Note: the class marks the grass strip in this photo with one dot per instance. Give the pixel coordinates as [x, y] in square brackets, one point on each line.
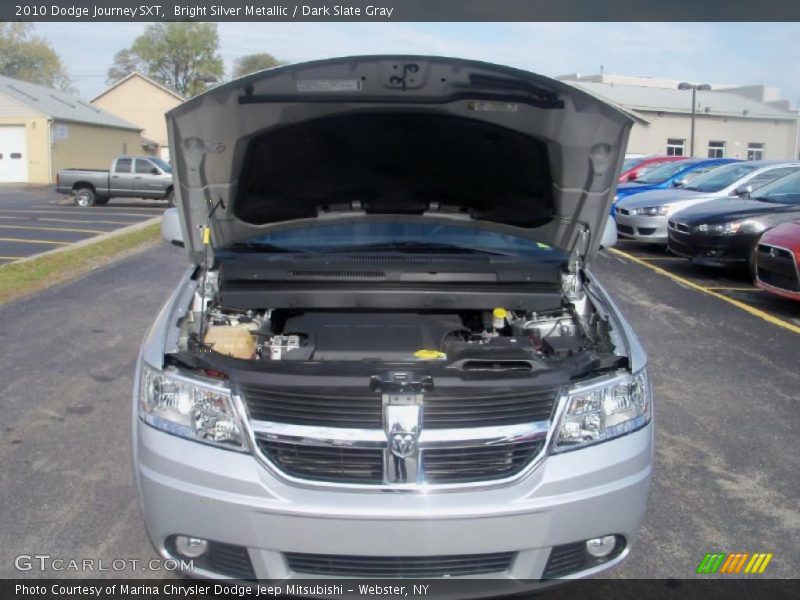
[22, 278]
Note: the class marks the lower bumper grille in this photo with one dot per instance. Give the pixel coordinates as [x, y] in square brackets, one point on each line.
[566, 559]
[227, 560]
[400, 566]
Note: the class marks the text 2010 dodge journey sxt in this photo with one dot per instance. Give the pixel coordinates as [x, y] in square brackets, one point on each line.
[389, 357]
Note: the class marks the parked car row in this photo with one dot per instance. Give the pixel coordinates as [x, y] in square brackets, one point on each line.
[742, 214]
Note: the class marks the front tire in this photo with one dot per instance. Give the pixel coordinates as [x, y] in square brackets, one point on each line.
[171, 199]
[85, 197]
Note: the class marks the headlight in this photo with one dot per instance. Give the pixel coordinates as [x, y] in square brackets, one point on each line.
[604, 409]
[193, 409]
[732, 227]
[652, 211]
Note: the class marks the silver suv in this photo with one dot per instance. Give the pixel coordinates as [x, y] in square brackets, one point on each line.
[389, 357]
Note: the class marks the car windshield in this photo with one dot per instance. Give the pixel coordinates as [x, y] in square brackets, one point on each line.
[162, 164]
[630, 163]
[721, 177]
[785, 190]
[663, 172]
[397, 236]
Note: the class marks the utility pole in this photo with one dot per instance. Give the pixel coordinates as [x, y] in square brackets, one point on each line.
[688, 86]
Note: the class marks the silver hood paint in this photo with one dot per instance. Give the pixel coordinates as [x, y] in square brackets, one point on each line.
[585, 137]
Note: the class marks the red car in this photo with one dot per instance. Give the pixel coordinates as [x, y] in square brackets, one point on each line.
[633, 168]
[777, 260]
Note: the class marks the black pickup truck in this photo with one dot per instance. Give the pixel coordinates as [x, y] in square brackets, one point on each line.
[129, 177]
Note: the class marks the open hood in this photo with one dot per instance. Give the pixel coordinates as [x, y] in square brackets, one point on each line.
[423, 137]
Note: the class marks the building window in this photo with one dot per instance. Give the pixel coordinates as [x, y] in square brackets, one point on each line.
[755, 151]
[716, 149]
[675, 147]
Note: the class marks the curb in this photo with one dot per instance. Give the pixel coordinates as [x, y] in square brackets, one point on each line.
[93, 240]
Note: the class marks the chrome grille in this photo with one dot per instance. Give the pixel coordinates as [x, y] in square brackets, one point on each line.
[430, 437]
[399, 566]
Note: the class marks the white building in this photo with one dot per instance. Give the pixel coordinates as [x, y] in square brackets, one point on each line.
[747, 122]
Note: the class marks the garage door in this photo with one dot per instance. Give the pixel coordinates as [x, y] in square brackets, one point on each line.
[13, 154]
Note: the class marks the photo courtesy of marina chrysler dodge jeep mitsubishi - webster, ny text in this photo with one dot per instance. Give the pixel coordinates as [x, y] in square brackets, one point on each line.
[390, 357]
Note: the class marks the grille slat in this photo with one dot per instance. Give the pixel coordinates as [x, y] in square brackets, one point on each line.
[460, 465]
[399, 566]
[355, 465]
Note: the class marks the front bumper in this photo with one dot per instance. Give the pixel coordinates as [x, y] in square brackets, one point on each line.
[647, 229]
[712, 250]
[197, 490]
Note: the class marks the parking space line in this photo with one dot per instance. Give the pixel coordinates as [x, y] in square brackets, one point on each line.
[21, 241]
[661, 257]
[69, 229]
[72, 212]
[735, 289]
[690, 284]
[11, 257]
[75, 221]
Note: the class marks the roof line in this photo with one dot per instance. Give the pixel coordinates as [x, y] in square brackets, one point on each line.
[146, 78]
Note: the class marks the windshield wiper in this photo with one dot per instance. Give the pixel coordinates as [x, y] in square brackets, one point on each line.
[417, 247]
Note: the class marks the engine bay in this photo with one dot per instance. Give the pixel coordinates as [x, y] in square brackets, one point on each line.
[488, 339]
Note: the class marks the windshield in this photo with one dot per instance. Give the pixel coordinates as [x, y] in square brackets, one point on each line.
[630, 163]
[784, 191]
[663, 172]
[397, 236]
[720, 178]
[161, 164]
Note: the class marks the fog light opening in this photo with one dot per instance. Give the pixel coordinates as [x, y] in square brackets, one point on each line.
[601, 547]
[190, 547]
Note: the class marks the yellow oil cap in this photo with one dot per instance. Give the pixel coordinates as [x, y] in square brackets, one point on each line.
[429, 355]
[499, 313]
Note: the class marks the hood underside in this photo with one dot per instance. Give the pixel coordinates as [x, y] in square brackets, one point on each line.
[366, 137]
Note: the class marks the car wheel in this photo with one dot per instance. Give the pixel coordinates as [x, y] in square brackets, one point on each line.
[171, 198]
[85, 197]
[101, 201]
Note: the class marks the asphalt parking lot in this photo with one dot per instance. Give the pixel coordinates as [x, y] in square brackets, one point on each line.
[36, 219]
[726, 414]
[733, 285]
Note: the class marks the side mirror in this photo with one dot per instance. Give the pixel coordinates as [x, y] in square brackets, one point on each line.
[680, 182]
[171, 227]
[633, 176]
[155, 171]
[744, 190]
[609, 239]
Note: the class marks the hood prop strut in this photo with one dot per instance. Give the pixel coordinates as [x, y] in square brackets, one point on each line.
[206, 246]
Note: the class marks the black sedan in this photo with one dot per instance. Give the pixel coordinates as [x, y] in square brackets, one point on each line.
[724, 232]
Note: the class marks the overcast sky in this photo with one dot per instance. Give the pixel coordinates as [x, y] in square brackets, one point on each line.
[735, 53]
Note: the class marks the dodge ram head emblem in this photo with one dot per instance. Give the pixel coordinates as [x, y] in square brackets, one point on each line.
[403, 444]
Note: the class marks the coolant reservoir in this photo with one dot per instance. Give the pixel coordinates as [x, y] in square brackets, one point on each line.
[232, 340]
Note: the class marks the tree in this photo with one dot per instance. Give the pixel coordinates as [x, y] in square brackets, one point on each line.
[125, 63]
[30, 58]
[179, 55]
[251, 63]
